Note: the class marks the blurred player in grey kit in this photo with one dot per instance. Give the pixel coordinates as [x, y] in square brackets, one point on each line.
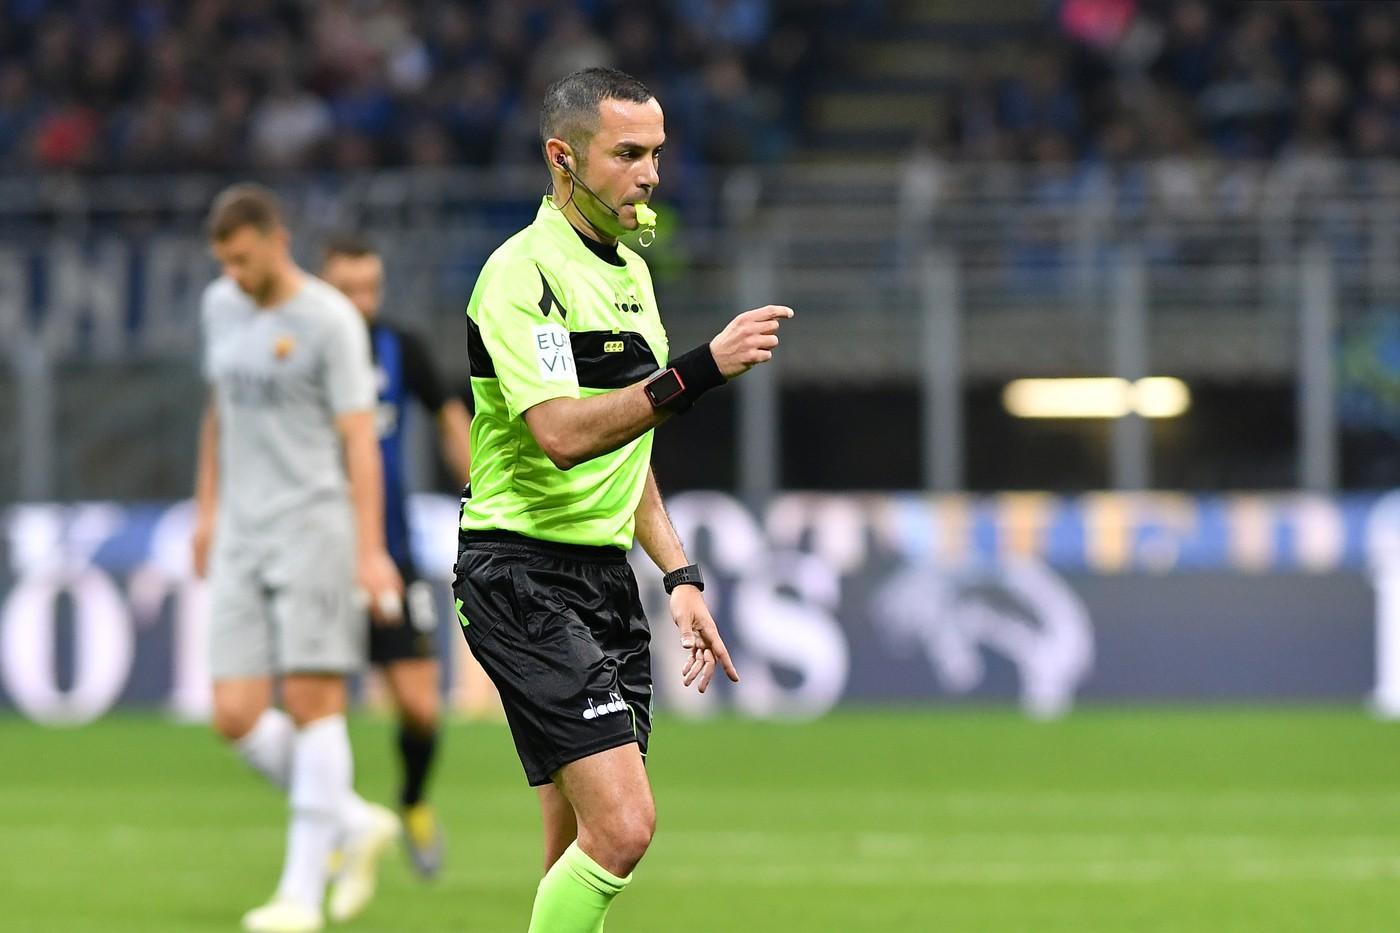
[290, 529]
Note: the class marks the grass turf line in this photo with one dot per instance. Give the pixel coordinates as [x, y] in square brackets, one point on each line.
[1141, 820]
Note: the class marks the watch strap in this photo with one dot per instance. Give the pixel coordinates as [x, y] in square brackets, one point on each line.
[689, 574]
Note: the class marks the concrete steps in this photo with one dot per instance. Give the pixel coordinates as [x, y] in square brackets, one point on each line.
[896, 84]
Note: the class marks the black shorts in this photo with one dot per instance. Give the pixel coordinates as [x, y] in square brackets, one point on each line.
[559, 629]
[415, 639]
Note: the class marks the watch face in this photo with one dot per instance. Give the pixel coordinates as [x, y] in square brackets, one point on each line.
[664, 387]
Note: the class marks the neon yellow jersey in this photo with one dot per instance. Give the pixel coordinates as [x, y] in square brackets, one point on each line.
[550, 319]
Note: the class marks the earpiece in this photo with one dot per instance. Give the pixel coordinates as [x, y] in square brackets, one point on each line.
[646, 217]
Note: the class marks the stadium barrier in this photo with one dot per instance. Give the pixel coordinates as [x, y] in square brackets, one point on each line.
[824, 599]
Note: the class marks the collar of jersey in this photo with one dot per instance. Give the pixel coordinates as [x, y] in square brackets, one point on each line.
[552, 220]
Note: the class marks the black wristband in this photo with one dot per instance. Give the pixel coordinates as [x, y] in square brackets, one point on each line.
[697, 373]
[689, 574]
[698, 370]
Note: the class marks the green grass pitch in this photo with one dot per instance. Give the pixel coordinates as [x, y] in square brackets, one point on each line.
[1142, 820]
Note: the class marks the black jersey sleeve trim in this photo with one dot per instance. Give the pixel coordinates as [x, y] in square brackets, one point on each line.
[547, 299]
[604, 359]
[478, 358]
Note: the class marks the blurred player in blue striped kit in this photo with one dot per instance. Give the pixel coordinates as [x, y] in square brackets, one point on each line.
[406, 653]
[289, 527]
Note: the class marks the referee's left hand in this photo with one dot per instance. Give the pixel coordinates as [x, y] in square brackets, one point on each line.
[700, 638]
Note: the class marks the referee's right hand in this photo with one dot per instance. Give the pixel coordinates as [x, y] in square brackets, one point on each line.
[749, 339]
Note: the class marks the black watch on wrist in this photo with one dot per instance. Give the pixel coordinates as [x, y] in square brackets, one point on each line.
[689, 574]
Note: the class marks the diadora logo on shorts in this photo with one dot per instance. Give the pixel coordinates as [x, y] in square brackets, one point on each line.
[615, 704]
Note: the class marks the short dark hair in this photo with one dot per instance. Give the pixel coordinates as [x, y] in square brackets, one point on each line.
[570, 107]
[243, 205]
[349, 245]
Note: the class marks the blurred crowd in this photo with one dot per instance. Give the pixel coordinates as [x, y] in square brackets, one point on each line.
[158, 85]
[1150, 112]
[1082, 90]
[1127, 79]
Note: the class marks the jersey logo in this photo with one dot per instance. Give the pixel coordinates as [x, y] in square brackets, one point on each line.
[283, 346]
[631, 306]
[548, 301]
[555, 354]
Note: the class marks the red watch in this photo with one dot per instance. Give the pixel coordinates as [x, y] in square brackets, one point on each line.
[665, 388]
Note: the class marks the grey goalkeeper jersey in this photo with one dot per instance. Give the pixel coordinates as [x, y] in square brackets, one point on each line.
[281, 375]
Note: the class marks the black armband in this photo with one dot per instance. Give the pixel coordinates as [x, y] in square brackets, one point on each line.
[689, 376]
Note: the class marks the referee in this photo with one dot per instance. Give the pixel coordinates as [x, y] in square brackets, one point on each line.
[571, 371]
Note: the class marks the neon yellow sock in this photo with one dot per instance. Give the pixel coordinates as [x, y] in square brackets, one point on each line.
[574, 895]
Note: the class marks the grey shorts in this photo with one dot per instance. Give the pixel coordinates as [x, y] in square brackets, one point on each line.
[283, 602]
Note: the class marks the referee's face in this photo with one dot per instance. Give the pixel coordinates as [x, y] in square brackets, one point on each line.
[623, 164]
[359, 278]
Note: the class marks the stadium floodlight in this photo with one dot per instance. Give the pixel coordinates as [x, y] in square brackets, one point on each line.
[1096, 397]
[1160, 397]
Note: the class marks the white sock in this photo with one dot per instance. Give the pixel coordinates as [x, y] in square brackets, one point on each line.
[355, 815]
[267, 747]
[320, 785]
